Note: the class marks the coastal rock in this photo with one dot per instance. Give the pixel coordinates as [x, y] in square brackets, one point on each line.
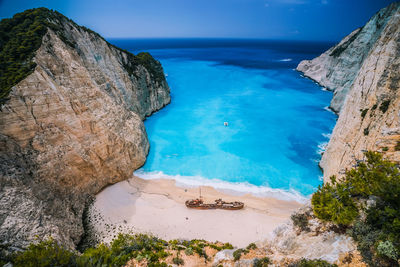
[223, 255]
[69, 129]
[244, 263]
[363, 72]
[288, 244]
[338, 67]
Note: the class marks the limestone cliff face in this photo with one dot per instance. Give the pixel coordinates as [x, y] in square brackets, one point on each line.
[337, 68]
[363, 71]
[69, 129]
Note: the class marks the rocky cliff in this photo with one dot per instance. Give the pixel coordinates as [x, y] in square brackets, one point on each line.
[71, 126]
[363, 73]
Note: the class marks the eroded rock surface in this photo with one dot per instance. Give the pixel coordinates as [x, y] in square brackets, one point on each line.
[69, 129]
[320, 240]
[363, 72]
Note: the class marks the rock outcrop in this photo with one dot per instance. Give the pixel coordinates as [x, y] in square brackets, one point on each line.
[70, 128]
[363, 72]
[318, 241]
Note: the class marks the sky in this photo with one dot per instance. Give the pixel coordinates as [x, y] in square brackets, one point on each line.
[324, 20]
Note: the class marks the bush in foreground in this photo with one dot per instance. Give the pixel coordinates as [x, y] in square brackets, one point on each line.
[177, 260]
[333, 203]
[367, 201]
[300, 220]
[143, 248]
[263, 262]
[251, 246]
[237, 254]
[45, 253]
[312, 263]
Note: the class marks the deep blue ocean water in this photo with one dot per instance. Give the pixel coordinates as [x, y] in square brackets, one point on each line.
[277, 120]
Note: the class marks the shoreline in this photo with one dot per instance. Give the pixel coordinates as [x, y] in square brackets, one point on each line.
[226, 187]
[158, 207]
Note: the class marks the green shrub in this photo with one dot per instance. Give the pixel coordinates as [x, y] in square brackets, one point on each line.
[219, 248]
[122, 249]
[197, 246]
[397, 147]
[385, 148]
[227, 246]
[387, 249]
[177, 260]
[251, 246]
[366, 131]
[153, 66]
[333, 202]
[384, 106]
[201, 252]
[366, 237]
[300, 220]
[158, 264]
[45, 253]
[376, 176]
[312, 263]
[189, 251]
[238, 253]
[5, 255]
[263, 262]
[21, 36]
[364, 112]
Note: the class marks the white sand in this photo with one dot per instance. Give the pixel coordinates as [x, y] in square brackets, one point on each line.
[157, 207]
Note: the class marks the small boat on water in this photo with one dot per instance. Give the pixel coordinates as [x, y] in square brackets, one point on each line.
[219, 204]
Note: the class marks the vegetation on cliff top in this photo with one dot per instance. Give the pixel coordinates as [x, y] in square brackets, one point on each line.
[367, 202]
[21, 36]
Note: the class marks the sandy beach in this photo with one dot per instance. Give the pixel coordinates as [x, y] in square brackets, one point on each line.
[157, 207]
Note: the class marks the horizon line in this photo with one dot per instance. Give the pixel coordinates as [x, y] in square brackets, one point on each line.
[226, 38]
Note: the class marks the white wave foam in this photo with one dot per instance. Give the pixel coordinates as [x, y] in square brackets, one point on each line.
[330, 110]
[327, 135]
[228, 187]
[285, 60]
[322, 147]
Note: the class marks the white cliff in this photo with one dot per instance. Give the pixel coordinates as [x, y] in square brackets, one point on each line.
[70, 128]
[363, 72]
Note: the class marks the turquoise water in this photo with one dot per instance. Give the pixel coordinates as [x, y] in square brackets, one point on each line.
[277, 121]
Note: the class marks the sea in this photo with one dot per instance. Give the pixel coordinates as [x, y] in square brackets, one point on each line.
[241, 118]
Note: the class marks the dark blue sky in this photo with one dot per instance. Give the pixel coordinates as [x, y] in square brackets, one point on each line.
[270, 19]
